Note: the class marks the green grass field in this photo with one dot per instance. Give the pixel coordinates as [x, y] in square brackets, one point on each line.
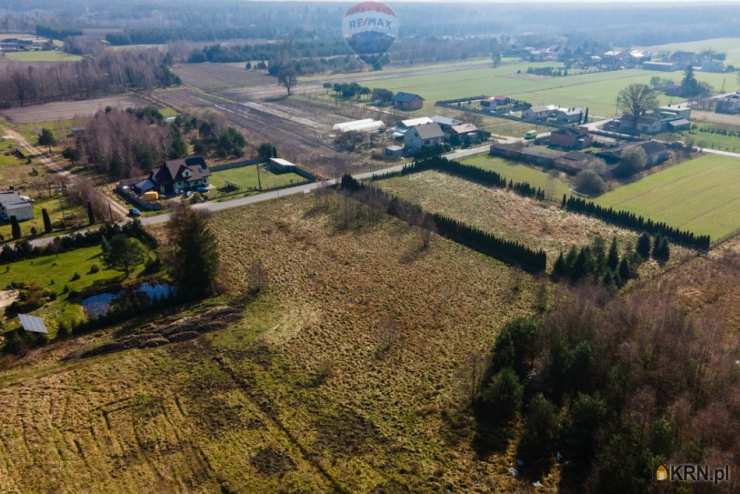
[553, 186]
[60, 128]
[701, 195]
[705, 139]
[42, 56]
[55, 272]
[730, 46]
[596, 91]
[245, 178]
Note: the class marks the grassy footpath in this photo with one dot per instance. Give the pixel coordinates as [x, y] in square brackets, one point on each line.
[553, 185]
[702, 195]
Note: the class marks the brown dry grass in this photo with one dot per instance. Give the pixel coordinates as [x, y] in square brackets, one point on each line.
[308, 393]
[537, 224]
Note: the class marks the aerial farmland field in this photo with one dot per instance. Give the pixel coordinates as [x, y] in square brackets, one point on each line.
[701, 195]
[597, 91]
[42, 56]
[730, 46]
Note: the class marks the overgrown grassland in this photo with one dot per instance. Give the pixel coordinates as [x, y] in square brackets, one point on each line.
[503, 213]
[701, 195]
[348, 372]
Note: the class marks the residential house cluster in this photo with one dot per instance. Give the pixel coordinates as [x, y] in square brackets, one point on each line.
[425, 132]
[24, 44]
[707, 61]
[553, 114]
[669, 118]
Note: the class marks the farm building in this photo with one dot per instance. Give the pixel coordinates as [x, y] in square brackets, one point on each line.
[666, 118]
[177, 176]
[495, 101]
[574, 162]
[414, 122]
[364, 125]
[407, 101]
[423, 136]
[14, 205]
[571, 138]
[661, 66]
[280, 165]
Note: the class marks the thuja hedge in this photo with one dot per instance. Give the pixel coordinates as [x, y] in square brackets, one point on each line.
[632, 221]
[487, 178]
[504, 250]
[24, 250]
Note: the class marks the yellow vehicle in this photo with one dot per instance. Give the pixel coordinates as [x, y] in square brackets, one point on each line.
[151, 196]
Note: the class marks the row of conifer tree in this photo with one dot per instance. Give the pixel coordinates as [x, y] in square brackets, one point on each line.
[632, 221]
[504, 250]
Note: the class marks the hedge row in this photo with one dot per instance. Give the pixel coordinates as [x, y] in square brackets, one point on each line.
[504, 250]
[633, 221]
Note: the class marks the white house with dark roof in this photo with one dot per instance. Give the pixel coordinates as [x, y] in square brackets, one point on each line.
[177, 176]
[423, 136]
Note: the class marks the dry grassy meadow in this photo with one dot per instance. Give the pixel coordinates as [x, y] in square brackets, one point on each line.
[343, 375]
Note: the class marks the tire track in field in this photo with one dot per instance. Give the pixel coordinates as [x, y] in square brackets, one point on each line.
[246, 388]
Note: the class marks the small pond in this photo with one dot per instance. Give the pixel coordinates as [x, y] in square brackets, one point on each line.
[99, 304]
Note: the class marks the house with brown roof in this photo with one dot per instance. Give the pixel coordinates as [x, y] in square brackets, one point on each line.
[571, 138]
[177, 176]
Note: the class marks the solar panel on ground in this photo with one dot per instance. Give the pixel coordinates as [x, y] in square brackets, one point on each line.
[32, 323]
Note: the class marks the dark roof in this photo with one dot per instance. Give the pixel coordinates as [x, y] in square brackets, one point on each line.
[576, 131]
[403, 97]
[174, 170]
[429, 131]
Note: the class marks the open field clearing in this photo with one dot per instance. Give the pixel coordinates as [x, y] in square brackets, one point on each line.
[41, 56]
[60, 128]
[730, 46]
[16, 172]
[220, 76]
[716, 118]
[535, 223]
[596, 91]
[343, 375]
[299, 129]
[703, 138]
[65, 110]
[245, 179]
[701, 195]
[552, 183]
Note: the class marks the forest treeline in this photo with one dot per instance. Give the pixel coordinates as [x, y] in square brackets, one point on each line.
[610, 388]
[113, 72]
[510, 252]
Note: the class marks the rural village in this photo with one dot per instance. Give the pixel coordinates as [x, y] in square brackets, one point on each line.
[487, 262]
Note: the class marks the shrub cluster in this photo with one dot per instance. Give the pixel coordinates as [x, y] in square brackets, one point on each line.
[632, 221]
[24, 250]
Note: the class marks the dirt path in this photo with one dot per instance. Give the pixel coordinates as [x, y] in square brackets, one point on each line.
[54, 167]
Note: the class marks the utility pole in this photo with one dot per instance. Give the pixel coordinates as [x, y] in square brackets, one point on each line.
[259, 178]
